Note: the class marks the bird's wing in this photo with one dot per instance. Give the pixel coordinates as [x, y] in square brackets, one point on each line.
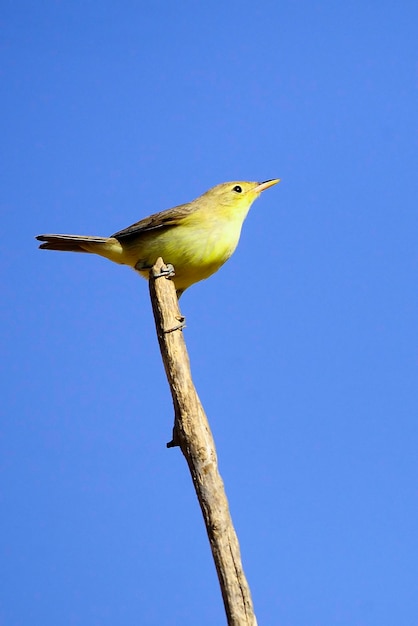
[165, 219]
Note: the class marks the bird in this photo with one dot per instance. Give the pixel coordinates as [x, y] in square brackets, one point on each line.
[196, 238]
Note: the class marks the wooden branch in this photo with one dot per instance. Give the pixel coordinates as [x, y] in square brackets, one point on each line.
[192, 433]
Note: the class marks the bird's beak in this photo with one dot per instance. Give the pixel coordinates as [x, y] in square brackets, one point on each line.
[267, 183]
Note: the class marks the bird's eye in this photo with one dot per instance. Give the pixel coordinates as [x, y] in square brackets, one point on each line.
[237, 188]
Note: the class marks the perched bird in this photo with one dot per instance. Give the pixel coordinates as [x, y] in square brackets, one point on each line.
[196, 238]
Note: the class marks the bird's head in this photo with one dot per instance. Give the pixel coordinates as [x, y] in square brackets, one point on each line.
[235, 196]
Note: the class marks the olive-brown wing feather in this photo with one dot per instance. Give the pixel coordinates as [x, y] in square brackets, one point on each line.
[165, 219]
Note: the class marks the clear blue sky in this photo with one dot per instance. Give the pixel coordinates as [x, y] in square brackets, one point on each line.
[304, 347]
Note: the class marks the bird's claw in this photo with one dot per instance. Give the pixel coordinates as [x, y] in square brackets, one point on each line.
[167, 271]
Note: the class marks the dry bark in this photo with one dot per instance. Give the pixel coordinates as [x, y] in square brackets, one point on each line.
[192, 434]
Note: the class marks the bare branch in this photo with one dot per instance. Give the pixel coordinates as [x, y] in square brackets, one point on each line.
[192, 433]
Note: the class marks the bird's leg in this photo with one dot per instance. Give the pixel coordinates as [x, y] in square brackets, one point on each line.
[167, 271]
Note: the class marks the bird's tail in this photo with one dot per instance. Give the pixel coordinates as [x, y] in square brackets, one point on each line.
[72, 243]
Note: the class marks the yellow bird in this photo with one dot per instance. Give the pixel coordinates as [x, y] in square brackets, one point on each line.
[196, 238]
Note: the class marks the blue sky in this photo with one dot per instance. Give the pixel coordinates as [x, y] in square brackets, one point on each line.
[304, 347]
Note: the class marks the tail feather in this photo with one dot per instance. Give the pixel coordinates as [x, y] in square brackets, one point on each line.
[69, 243]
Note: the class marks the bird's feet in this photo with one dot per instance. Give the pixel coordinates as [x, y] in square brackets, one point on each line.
[167, 271]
